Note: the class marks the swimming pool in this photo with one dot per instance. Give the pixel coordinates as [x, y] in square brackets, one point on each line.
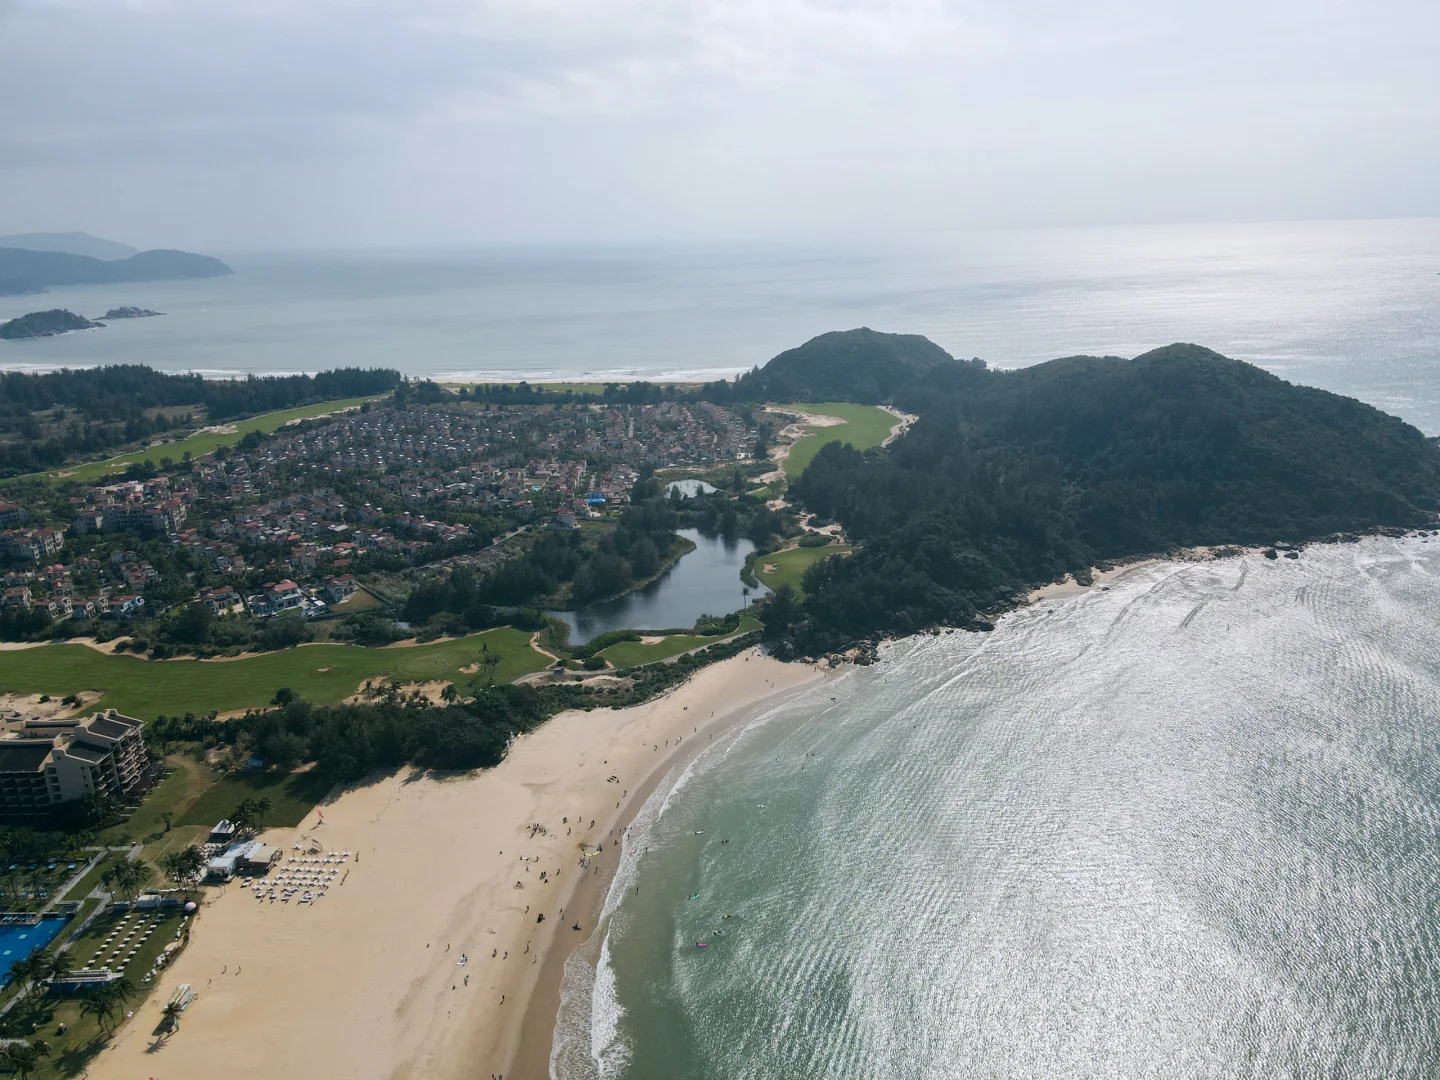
[18, 941]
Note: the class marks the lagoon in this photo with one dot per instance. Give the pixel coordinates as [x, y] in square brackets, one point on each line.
[704, 582]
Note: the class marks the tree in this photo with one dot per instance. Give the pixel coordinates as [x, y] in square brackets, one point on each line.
[171, 1014]
[95, 1006]
[449, 694]
[490, 660]
[23, 1058]
[183, 867]
[124, 877]
[60, 964]
[243, 816]
[21, 972]
[260, 808]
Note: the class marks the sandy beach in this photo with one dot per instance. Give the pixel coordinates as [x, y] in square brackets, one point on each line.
[368, 982]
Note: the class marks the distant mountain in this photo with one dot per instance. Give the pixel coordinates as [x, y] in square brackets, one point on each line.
[31, 271]
[45, 324]
[70, 243]
[861, 365]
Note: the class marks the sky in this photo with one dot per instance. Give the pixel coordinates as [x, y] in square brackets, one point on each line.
[277, 124]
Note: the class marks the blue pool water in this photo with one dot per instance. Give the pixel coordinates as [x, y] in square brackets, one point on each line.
[18, 942]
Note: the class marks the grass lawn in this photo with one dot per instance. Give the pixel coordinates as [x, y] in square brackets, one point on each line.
[359, 600]
[198, 445]
[790, 565]
[319, 673]
[626, 654]
[87, 884]
[294, 795]
[865, 426]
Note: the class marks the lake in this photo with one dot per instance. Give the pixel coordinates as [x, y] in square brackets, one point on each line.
[704, 582]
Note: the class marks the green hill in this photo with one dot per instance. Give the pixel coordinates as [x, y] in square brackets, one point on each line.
[45, 324]
[861, 365]
[1012, 479]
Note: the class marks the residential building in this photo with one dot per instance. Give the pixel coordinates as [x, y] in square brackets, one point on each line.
[46, 762]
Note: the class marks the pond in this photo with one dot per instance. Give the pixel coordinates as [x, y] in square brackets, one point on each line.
[690, 488]
[704, 582]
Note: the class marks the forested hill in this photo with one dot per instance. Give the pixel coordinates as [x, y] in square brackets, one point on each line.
[1011, 479]
[861, 365]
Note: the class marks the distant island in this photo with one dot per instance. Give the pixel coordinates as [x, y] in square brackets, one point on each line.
[24, 271]
[130, 313]
[45, 324]
[70, 243]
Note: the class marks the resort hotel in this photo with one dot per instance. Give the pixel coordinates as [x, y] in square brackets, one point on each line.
[46, 762]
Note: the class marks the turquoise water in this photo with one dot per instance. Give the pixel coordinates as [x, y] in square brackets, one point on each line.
[1348, 306]
[1188, 827]
[18, 942]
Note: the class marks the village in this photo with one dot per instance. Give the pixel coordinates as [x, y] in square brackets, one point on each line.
[285, 524]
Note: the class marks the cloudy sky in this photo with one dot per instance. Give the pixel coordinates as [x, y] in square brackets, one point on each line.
[339, 123]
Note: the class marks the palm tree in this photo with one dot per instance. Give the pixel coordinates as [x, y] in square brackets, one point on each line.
[172, 1013]
[262, 806]
[111, 1000]
[491, 661]
[21, 972]
[96, 1005]
[243, 816]
[449, 695]
[60, 965]
[23, 1058]
[124, 877]
[183, 867]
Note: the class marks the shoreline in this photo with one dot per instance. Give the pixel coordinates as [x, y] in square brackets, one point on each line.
[365, 984]
[537, 1027]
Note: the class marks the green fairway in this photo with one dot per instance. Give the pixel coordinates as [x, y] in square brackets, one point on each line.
[626, 654]
[790, 565]
[318, 673]
[865, 426]
[197, 445]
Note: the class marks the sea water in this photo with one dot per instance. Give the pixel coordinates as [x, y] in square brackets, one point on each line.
[1186, 827]
[1352, 307]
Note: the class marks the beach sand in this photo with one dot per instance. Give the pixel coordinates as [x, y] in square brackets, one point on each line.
[365, 983]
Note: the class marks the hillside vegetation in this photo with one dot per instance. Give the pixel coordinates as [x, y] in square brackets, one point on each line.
[1012, 479]
[45, 324]
[862, 365]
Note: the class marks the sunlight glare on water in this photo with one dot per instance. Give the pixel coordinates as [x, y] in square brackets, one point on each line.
[1183, 828]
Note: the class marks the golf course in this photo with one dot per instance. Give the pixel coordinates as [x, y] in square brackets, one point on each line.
[322, 674]
[197, 445]
[865, 426]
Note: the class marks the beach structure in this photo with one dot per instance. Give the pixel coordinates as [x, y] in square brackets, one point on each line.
[223, 832]
[45, 762]
[245, 857]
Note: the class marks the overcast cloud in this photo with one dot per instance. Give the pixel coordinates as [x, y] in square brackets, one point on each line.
[338, 123]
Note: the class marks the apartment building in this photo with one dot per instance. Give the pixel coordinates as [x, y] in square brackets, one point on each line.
[46, 762]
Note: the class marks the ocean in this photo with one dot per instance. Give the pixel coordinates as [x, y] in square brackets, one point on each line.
[1351, 306]
[1188, 827]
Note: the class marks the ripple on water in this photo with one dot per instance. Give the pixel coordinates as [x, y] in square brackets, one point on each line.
[1189, 827]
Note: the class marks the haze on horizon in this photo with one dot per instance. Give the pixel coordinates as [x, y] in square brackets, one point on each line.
[352, 123]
